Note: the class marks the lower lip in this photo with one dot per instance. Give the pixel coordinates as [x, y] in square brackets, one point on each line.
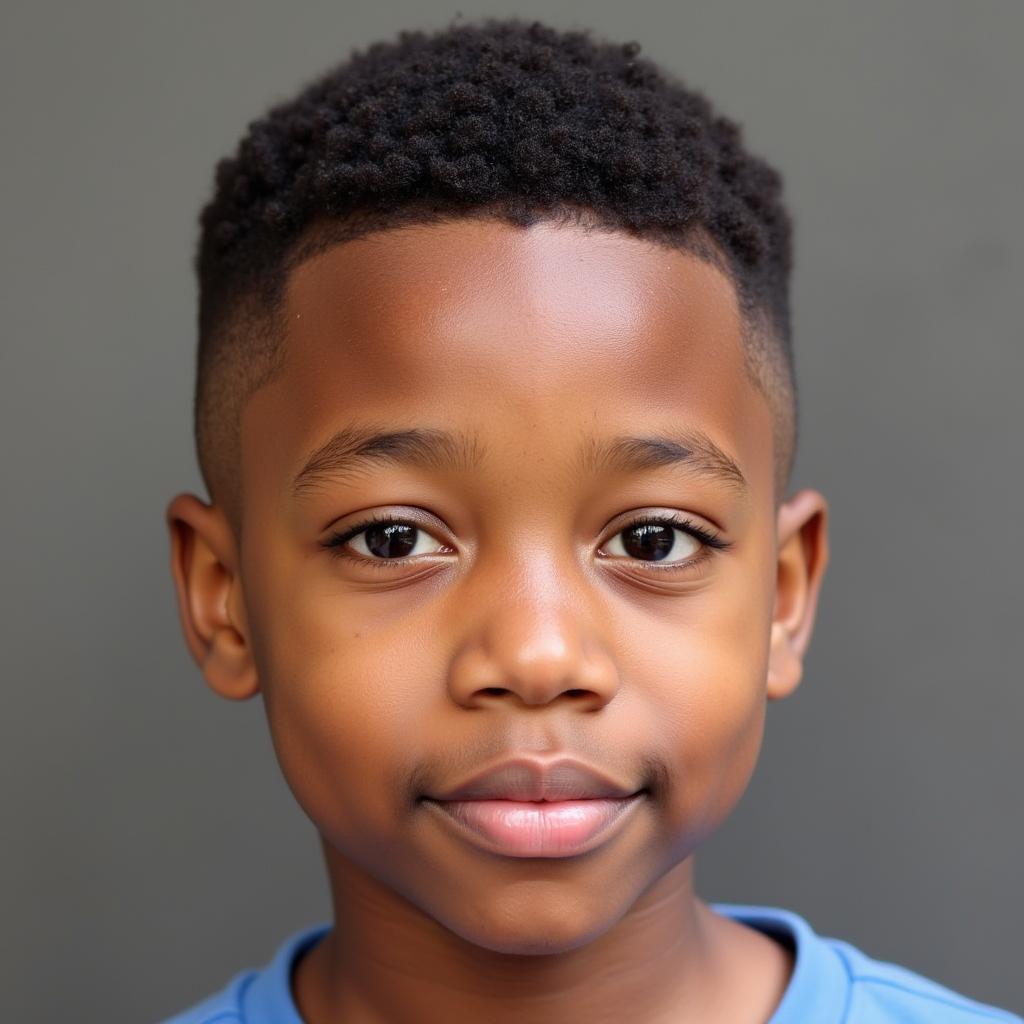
[563, 828]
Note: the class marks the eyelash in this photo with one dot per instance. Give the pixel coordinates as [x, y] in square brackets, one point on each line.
[710, 541]
[336, 542]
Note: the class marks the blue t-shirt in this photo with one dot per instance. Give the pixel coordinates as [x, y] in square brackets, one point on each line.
[832, 983]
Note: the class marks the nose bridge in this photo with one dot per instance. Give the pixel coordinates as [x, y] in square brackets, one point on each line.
[536, 632]
[532, 633]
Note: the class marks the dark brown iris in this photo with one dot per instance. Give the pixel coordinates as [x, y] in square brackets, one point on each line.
[390, 540]
[648, 541]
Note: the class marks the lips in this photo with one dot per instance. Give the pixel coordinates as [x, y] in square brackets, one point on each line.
[524, 807]
[530, 779]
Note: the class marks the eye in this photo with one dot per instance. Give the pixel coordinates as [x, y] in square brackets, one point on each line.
[383, 540]
[659, 539]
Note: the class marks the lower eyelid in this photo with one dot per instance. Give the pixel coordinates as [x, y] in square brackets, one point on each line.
[701, 556]
[661, 566]
[654, 574]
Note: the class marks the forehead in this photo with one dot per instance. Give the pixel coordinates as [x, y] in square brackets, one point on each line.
[529, 336]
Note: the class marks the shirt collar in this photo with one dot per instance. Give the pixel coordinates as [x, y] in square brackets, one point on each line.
[818, 989]
[820, 985]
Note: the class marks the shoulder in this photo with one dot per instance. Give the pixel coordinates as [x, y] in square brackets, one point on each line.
[223, 1007]
[833, 982]
[256, 996]
[882, 991]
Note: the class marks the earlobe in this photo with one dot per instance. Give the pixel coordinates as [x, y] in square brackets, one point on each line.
[204, 567]
[802, 547]
[785, 665]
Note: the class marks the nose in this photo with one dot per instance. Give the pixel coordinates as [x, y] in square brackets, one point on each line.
[533, 643]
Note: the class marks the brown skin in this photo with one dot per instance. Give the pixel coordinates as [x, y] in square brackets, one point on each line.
[522, 628]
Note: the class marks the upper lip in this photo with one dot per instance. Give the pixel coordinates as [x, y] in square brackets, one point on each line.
[530, 779]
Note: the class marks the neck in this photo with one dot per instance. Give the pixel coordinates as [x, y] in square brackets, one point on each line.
[668, 958]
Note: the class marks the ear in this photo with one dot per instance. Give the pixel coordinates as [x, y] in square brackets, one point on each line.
[204, 564]
[802, 545]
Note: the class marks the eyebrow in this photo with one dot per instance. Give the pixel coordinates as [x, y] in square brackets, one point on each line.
[692, 450]
[354, 450]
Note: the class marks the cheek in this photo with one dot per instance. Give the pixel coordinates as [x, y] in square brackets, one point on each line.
[342, 700]
[706, 692]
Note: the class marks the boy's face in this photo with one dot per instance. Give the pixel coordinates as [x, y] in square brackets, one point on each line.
[521, 594]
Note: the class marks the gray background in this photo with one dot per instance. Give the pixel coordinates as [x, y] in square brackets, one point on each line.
[150, 848]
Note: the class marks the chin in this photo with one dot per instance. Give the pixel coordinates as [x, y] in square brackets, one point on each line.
[534, 924]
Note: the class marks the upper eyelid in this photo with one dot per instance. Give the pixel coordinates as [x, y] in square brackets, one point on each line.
[682, 521]
[373, 519]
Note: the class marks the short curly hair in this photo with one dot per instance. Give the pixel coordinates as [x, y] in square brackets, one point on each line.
[500, 119]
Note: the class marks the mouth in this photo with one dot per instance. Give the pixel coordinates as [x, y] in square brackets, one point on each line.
[526, 807]
[556, 828]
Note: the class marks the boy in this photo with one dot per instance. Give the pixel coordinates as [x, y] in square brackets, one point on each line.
[495, 406]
